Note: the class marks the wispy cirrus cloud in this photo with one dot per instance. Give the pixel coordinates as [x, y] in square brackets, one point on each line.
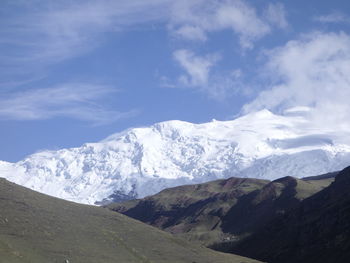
[193, 20]
[53, 31]
[37, 35]
[45, 32]
[333, 17]
[41, 34]
[75, 100]
[200, 74]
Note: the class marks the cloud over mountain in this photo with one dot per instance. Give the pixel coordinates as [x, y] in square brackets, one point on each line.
[311, 71]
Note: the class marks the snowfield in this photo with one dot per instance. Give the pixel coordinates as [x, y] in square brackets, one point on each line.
[143, 161]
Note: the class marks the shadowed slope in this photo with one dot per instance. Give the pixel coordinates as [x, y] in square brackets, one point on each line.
[222, 211]
[315, 231]
[38, 228]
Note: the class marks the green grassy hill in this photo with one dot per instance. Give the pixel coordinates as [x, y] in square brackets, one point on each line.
[37, 228]
[222, 211]
[315, 231]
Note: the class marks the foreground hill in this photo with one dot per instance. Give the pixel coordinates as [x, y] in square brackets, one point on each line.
[284, 221]
[143, 161]
[315, 231]
[223, 211]
[37, 228]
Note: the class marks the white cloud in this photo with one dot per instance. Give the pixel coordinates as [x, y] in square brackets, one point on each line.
[243, 21]
[57, 30]
[73, 100]
[194, 20]
[276, 14]
[313, 71]
[200, 75]
[38, 35]
[42, 33]
[202, 17]
[45, 33]
[197, 67]
[334, 17]
[191, 33]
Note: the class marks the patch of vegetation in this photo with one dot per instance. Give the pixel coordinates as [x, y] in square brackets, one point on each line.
[35, 228]
[222, 212]
[317, 230]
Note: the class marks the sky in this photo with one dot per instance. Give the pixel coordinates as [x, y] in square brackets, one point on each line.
[78, 71]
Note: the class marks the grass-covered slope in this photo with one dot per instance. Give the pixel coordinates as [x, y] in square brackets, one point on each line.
[192, 211]
[222, 211]
[37, 228]
[315, 231]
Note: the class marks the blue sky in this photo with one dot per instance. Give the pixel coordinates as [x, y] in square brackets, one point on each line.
[78, 71]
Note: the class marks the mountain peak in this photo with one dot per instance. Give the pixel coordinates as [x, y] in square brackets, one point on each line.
[143, 161]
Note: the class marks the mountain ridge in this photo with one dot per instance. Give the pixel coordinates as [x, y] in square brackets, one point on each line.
[223, 210]
[284, 221]
[314, 231]
[143, 161]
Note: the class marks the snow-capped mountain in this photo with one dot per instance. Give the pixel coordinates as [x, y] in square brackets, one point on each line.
[142, 161]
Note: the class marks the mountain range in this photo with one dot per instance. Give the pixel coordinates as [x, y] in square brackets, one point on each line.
[143, 161]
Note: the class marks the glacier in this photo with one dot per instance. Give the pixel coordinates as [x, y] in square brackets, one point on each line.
[143, 161]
